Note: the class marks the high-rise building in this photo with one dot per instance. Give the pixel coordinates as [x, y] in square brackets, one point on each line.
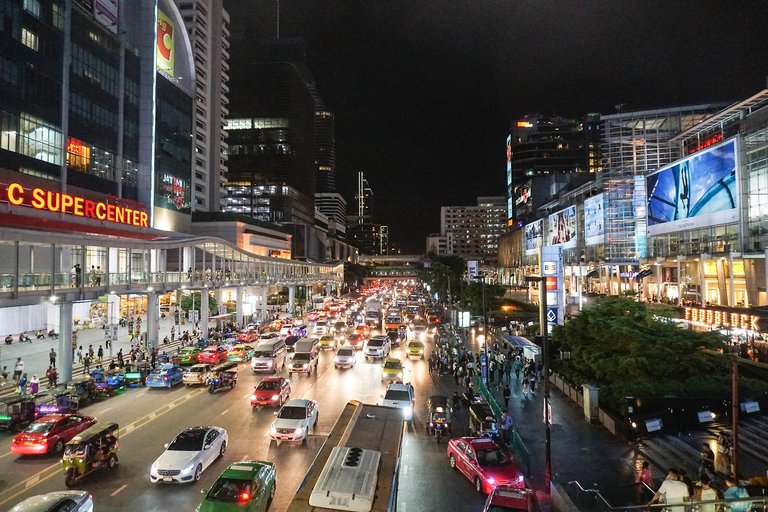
[370, 239]
[99, 113]
[207, 24]
[325, 150]
[546, 155]
[472, 232]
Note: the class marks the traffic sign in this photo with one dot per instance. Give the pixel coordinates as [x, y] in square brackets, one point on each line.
[551, 315]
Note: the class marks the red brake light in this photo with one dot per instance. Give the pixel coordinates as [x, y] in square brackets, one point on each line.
[245, 496]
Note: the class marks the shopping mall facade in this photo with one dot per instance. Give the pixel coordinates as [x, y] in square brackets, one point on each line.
[678, 213]
[96, 153]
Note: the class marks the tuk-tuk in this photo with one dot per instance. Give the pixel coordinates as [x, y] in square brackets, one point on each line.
[439, 416]
[53, 401]
[481, 421]
[16, 412]
[108, 382]
[81, 390]
[93, 448]
[223, 375]
[136, 374]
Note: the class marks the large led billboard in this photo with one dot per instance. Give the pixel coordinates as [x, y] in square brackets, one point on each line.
[694, 192]
[561, 228]
[165, 58]
[533, 236]
[594, 220]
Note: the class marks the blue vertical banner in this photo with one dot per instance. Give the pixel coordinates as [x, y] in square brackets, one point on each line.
[484, 367]
[551, 268]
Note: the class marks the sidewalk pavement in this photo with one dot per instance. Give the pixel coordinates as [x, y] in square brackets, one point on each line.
[35, 354]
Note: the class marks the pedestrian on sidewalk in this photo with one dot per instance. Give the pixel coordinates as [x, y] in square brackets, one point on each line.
[672, 490]
[87, 364]
[23, 384]
[532, 382]
[120, 358]
[173, 332]
[525, 387]
[506, 427]
[4, 376]
[735, 491]
[18, 369]
[704, 492]
[52, 357]
[100, 354]
[80, 354]
[506, 393]
[52, 375]
[644, 482]
[518, 367]
[90, 352]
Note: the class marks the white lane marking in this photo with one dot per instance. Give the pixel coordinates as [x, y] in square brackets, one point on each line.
[5, 455]
[225, 412]
[128, 428]
[33, 480]
[105, 410]
[119, 489]
[402, 507]
[246, 395]
[152, 416]
[405, 469]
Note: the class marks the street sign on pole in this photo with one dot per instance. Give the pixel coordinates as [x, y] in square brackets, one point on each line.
[484, 367]
[551, 315]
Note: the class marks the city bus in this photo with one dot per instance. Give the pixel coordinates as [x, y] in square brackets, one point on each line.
[370, 436]
[321, 303]
[392, 321]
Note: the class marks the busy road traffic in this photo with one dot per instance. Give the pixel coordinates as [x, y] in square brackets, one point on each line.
[149, 418]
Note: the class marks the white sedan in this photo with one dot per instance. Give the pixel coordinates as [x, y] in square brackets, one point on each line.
[72, 501]
[346, 357]
[294, 421]
[185, 458]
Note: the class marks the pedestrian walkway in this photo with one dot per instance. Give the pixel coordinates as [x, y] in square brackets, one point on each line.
[35, 355]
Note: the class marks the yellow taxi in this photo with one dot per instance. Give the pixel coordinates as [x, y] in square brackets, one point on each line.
[328, 341]
[392, 370]
[241, 353]
[415, 348]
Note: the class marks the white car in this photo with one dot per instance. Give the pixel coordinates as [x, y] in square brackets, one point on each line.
[346, 357]
[420, 332]
[321, 327]
[378, 346]
[189, 454]
[401, 397]
[294, 420]
[71, 501]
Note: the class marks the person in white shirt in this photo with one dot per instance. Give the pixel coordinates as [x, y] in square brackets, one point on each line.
[672, 490]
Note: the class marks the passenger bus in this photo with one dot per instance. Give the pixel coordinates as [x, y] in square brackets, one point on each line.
[321, 303]
[357, 467]
[392, 321]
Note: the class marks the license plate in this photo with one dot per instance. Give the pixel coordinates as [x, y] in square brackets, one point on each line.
[284, 437]
[167, 479]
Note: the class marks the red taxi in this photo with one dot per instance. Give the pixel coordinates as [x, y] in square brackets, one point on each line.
[363, 330]
[212, 355]
[271, 391]
[484, 463]
[356, 341]
[50, 433]
[248, 335]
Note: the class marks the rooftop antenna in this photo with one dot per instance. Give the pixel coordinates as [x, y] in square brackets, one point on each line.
[277, 21]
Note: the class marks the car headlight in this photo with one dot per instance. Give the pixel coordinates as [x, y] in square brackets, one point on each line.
[273, 430]
[188, 469]
[384, 375]
[153, 469]
[299, 431]
[407, 412]
[305, 366]
[491, 481]
[400, 374]
[276, 397]
[253, 397]
[269, 363]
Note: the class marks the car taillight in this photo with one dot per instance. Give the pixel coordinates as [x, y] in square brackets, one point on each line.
[165, 378]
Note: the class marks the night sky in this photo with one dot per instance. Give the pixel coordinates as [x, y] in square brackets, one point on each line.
[424, 91]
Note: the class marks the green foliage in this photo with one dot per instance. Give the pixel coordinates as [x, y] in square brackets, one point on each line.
[626, 349]
[187, 300]
[354, 274]
[473, 295]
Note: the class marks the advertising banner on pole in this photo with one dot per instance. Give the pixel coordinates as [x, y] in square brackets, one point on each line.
[551, 265]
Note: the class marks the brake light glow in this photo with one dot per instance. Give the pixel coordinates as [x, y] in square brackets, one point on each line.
[245, 496]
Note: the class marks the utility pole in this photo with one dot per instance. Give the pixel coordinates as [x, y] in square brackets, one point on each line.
[543, 330]
[735, 415]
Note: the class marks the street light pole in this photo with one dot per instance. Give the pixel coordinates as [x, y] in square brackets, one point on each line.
[481, 276]
[543, 329]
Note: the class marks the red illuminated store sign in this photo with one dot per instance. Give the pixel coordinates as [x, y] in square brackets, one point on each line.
[705, 143]
[41, 199]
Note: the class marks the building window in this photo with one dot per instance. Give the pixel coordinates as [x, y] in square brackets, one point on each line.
[40, 140]
[32, 7]
[57, 16]
[29, 38]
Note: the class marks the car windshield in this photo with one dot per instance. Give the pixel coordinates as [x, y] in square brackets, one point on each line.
[345, 352]
[416, 344]
[210, 349]
[188, 350]
[40, 427]
[269, 385]
[262, 353]
[188, 441]
[292, 413]
[397, 395]
[301, 356]
[198, 369]
[491, 457]
[229, 489]
[375, 343]
[393, 365]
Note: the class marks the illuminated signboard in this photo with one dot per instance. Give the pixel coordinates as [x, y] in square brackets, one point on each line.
[705, 143]
[697, 191]
[561, 228]
[594, 220]
[533, 236]
[165, 44]
[78, 154]
[105, 12]
[174, 191]
[41, 199]
[725, 318]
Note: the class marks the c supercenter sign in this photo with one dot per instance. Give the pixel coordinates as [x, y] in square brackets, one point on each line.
[41, 199]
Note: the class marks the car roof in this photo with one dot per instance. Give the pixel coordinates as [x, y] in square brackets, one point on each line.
[272, 379]
[392, 360]
[44, 502]
[298, 402]
[399, 387]
[245, 469]
[479, 442]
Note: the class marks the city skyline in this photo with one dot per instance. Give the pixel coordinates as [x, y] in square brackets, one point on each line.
[424, 91]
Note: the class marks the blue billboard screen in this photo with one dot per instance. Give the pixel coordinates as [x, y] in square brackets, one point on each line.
[694, 192]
